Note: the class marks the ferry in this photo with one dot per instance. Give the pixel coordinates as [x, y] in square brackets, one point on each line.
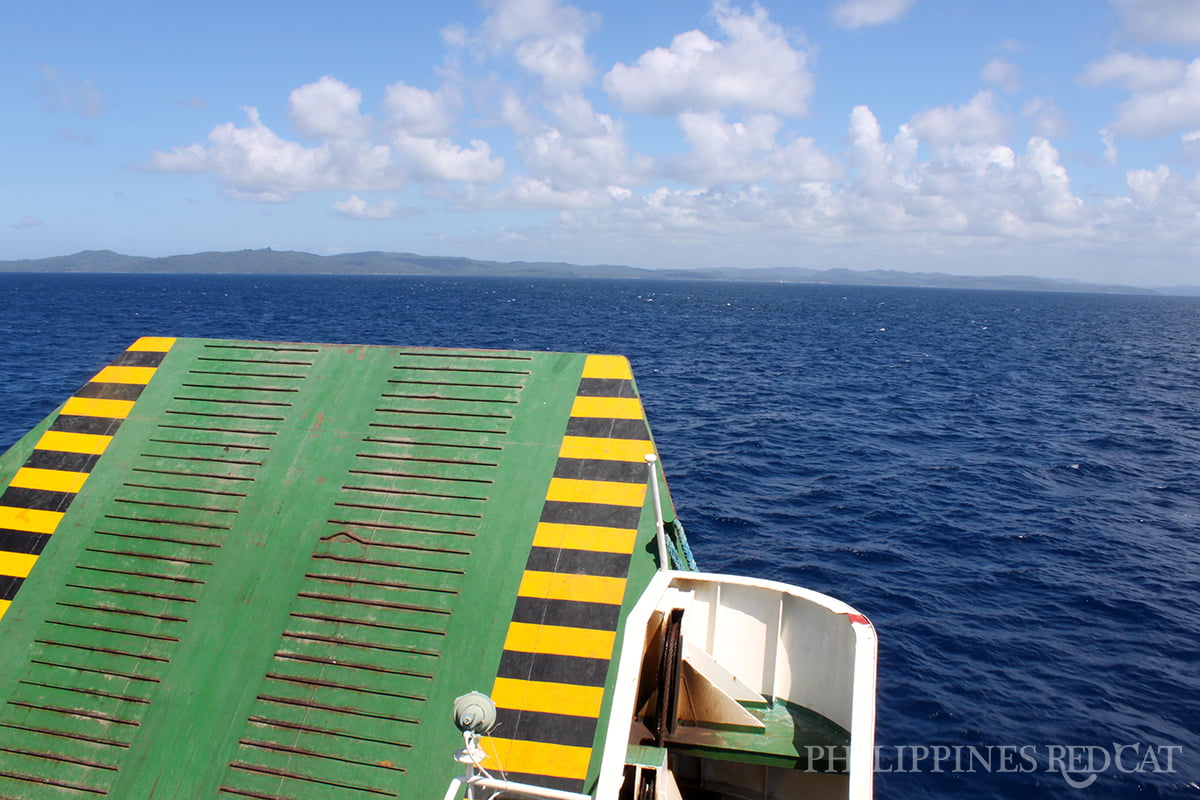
[271, 570]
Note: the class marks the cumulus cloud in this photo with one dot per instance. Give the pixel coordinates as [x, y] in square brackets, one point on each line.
[440, 159]
[1132, 72]
[545, 37]
[419, 112]
[525, 192]
[582, 159]
[976, 122]
[1003, 74]
[1145, 185]
[752, 66]
[253, 162]
[1165, 95]
[968, 193]
[1172, 21]
[880, 167]
[327, 109]
[725, 152]
[354, 207]
[62, 91]
[862, 13]
[510, 22]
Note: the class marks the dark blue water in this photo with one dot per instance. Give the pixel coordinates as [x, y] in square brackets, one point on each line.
[1006, 483]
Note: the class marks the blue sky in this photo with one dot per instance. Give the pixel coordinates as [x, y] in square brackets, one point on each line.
[1058, 138]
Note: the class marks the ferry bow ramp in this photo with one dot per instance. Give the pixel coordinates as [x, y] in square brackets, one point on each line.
[236, 569]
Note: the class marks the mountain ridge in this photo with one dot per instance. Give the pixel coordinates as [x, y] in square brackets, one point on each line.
[267, 261]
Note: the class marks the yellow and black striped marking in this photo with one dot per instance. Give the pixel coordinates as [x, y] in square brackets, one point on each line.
[550, 685]
[37, 497]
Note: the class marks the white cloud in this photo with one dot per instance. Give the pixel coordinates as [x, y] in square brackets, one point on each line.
[976, 122]
[254, 163]
[861, 13]
[420, 112]
[1003, 74]
[560, 61]
[582, 161]
[546, 38]
[744, 152]
[1173, 21]
[354, 207]
[534, 193]
[1145, 185]
[513, 21]
[327, 109]
[754, 67]
[1165, 93]
[1133, 72]
[440, 159]
[880, 167]
[1162, 112]
[1049, 198]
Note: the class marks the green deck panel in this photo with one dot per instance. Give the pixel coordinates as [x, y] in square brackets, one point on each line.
[793, 737]
[284, 568]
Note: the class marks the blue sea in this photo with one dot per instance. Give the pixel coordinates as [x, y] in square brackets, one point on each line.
[1007, 484]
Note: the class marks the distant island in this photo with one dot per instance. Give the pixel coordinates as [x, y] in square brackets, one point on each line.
[286, 262]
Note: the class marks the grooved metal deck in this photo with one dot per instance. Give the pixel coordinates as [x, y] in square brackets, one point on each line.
[264, 570]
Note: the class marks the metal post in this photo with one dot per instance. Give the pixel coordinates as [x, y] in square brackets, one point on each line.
[661, 532]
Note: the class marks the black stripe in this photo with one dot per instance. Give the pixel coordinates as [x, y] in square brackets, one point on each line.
[9, 586]
[591, 514]
[39, 499]
[138, 359]
[111, 391]
[22, 541]
[578, 562]
[606, 387]
[591, 469]
[562, 784]
[568, 613]
[97, 426]
[60, 459]
[538, 726]
[553, 668]
[604, 428]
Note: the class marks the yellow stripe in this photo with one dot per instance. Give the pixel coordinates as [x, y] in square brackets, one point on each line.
[554, 640]
[568, 586]
[50, 480]
[141, 375]
[16, 565]
[607, 367]
[4, 604]
[608, 407]
[29, 519]
[605, 449]
[569, 490]
[552, 698]
[536, 758]
[96, 407]
[152, 344]
[86, 443]
[584, 537]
